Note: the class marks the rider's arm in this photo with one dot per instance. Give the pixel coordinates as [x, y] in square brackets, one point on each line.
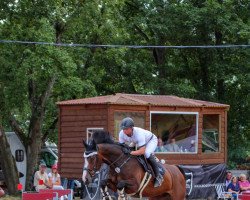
[141, 151]
[121, 139]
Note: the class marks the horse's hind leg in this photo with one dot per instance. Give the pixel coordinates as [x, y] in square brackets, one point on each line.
[161, 197]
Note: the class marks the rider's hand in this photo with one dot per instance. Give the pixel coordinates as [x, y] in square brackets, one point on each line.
[126, 150]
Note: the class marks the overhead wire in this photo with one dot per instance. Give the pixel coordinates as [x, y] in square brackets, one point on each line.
[126, 46]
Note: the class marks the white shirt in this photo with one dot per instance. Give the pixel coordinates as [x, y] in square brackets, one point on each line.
[39, 176]
[140, 136]
[54, 178]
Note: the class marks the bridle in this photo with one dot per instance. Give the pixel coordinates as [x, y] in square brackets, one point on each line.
[93, 154]
[95, 170]
[113, 164]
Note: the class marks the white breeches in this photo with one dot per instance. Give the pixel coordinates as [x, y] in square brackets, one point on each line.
[151, 146]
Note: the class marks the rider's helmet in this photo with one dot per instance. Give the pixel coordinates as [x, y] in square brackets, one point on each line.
[127, 123]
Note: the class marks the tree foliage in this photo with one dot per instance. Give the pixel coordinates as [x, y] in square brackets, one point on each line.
[34, 77]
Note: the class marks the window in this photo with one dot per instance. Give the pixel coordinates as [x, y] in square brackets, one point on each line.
[138, 117]
[177, 132]
[90, 132]
[19, 155]
[210, 133]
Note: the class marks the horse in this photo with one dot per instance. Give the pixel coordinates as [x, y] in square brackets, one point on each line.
[126, 174]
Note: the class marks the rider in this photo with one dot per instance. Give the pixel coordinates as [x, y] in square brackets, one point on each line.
[146, 142]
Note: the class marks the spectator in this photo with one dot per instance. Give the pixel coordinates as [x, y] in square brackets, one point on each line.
[160, 147]
[2, 193]
[228, 178]
[244, 184]
[41, 180]
[172, 147]
[54, 178]
[234, 187]
[192, 146]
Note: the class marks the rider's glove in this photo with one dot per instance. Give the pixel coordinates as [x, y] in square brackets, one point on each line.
[126, 150]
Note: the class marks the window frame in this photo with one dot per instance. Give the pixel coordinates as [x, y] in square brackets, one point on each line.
[93, 129]
[219, 133]
[18, 155]
[179, 112]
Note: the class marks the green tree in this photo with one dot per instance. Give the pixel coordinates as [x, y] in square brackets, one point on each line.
[34, 76]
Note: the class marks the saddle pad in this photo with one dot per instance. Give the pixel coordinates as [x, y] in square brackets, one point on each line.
[144, 163]
[147, 167]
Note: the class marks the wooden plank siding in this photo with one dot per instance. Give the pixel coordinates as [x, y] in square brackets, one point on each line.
[75, 119]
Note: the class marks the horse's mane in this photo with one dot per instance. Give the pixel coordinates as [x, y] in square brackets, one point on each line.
[105, 137]
[102, 136]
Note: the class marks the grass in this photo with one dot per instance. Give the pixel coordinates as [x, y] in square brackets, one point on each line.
[7, 197]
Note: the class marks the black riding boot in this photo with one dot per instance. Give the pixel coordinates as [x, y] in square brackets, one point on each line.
[158, 176]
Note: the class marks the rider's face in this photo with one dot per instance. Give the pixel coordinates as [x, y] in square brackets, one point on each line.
[128, 131]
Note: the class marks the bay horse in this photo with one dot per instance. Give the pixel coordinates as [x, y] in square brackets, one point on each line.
[126, 173]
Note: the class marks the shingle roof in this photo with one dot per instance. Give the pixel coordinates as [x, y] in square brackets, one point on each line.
[138, 99]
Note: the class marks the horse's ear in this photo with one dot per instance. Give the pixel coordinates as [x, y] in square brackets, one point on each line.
[84, 143]
[94, 143]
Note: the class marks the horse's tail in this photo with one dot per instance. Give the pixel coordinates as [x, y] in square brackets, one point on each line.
[182, 171]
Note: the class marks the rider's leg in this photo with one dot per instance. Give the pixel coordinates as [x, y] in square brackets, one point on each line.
[158, 176]
[150, 148]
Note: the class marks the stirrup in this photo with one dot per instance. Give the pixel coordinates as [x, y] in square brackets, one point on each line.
[158, 181]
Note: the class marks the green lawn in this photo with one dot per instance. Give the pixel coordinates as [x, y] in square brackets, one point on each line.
[7, 197]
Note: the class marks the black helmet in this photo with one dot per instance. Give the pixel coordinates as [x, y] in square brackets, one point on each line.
[127, 123]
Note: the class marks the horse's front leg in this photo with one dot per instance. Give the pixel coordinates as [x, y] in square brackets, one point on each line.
[105, 193]
[120, 188]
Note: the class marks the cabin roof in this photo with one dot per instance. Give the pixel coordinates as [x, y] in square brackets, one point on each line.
[138, 99]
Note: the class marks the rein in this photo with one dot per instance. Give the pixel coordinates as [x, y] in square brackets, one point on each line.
[118, 168]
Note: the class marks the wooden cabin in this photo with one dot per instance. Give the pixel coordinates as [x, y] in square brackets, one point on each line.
[190, 132]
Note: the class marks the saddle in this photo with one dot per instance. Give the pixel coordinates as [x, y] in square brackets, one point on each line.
[143, 161]
[147, 167]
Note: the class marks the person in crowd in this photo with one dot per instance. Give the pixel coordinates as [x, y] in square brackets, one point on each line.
[234, 187]
[228, 178]
[146, 142]
[160, 147]
[172, 146]
[2, 193]
[41, 180]
[244, 184]
[192, 146]
[54, 178]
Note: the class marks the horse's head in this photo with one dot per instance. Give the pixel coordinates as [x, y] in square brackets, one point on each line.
[92, 162]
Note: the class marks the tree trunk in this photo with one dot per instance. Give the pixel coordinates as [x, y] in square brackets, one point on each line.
[33, 150]
[8, 164]
[160, 57]
[38, 105]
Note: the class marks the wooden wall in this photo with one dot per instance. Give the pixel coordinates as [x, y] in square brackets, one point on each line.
[189, 159]
[74, 120]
